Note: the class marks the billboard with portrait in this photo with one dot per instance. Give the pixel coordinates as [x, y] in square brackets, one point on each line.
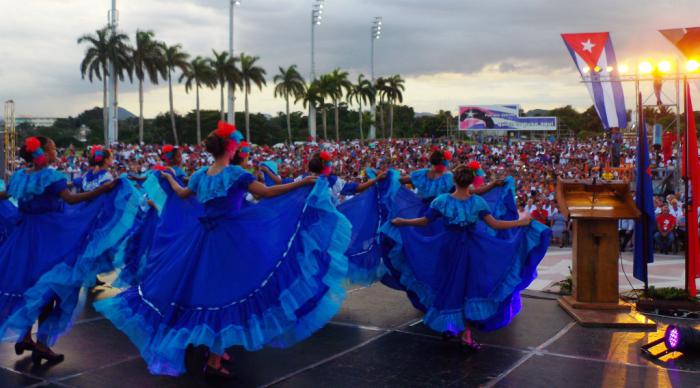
[501, 118]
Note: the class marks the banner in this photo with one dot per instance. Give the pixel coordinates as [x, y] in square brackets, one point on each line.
[594, 57]
[687, 40]
[501, 118]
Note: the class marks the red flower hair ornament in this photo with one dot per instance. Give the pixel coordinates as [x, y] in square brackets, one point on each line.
[33, 146]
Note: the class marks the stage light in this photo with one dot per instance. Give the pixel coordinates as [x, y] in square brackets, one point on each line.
[646, 67]
[664, 67]
[609, 69]
[692, 65]
[680, 339]
[597, 69]
[622, 69]
[586, 70]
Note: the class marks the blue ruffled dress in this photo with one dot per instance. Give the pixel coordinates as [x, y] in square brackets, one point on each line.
[367, 212]
[9, 215]
[55, 250]
[268, 274]
[155, 227]
[460, 273]
[429, 188]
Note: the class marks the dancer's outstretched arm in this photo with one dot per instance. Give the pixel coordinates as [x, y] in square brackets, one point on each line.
[182, 192]
[422, 221]
[499, 224]
[260, 190]
[73, 198]
[366, 185]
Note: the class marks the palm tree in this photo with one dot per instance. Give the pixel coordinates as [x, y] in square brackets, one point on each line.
[226, 71]
[381, 87]
[326, 88]
[107, 46]
[250, 75]
[94, 64]
[394, 93]
[362, 92]
[175, 58]
[148, 60]
[289, 83]
[340, 85]
[312, 96]
[199, 74]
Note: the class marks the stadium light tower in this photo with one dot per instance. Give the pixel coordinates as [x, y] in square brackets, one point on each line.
[375, 35]
[316, 17]
[231, 117]
[113, 126]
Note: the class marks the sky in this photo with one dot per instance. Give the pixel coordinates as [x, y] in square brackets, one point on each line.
[451, 52]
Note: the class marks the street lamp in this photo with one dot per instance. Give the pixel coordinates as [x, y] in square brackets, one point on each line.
[231, 118]
[316, 17]
[376, 33]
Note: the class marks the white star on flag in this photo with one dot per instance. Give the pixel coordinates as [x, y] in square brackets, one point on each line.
[588, 46]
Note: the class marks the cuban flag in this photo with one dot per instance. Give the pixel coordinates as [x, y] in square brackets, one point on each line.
[594, 57]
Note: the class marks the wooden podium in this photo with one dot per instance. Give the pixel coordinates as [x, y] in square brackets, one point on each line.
[595, 208]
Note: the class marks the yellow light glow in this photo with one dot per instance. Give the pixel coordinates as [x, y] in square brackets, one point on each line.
[622, 69]
[609, 69]
[597, 69]
[664, 66]
[646, 67]
[692, 65]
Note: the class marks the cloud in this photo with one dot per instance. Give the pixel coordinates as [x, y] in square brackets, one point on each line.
[496, 50]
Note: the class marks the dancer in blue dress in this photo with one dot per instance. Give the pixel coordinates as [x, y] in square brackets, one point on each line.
[55, 249]
[158, 220]
[364, 211]
[463, 276]
[268, 274]
[9, 215]
[100, 161]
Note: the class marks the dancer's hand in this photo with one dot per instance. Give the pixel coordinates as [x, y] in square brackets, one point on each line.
[112, 184]
[309, 180]
[499, 182]
[525, 221]
[381, 176]
[398, 221]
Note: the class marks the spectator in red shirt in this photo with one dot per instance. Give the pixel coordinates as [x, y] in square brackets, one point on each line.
[665, 225]
[540, 214]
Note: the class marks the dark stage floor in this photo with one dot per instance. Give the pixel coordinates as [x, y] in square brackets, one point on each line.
[378, 341]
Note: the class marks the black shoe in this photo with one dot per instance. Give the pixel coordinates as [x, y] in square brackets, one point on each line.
[48, 355]
[21, 346]
[219, 372]
[470, 347]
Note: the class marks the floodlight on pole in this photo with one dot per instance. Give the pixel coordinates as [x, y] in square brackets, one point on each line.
[316, 17]
[376, 34]
[231, 115]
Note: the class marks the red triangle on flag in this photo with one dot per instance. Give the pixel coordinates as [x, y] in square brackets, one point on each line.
[589, 46]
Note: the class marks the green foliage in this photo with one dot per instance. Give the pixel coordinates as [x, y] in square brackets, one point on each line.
[667, 293]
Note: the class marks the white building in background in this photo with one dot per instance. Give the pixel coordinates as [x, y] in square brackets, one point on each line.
[36, 121]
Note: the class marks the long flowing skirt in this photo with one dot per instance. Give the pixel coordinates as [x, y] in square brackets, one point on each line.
[269, 275]
[48, 257]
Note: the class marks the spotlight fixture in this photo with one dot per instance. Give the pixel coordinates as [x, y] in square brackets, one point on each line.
[680, 339]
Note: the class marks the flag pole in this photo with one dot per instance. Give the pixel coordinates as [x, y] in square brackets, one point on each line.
[645, 219]
[688, 199]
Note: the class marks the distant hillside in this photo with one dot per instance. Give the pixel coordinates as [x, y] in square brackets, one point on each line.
[124, 114]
